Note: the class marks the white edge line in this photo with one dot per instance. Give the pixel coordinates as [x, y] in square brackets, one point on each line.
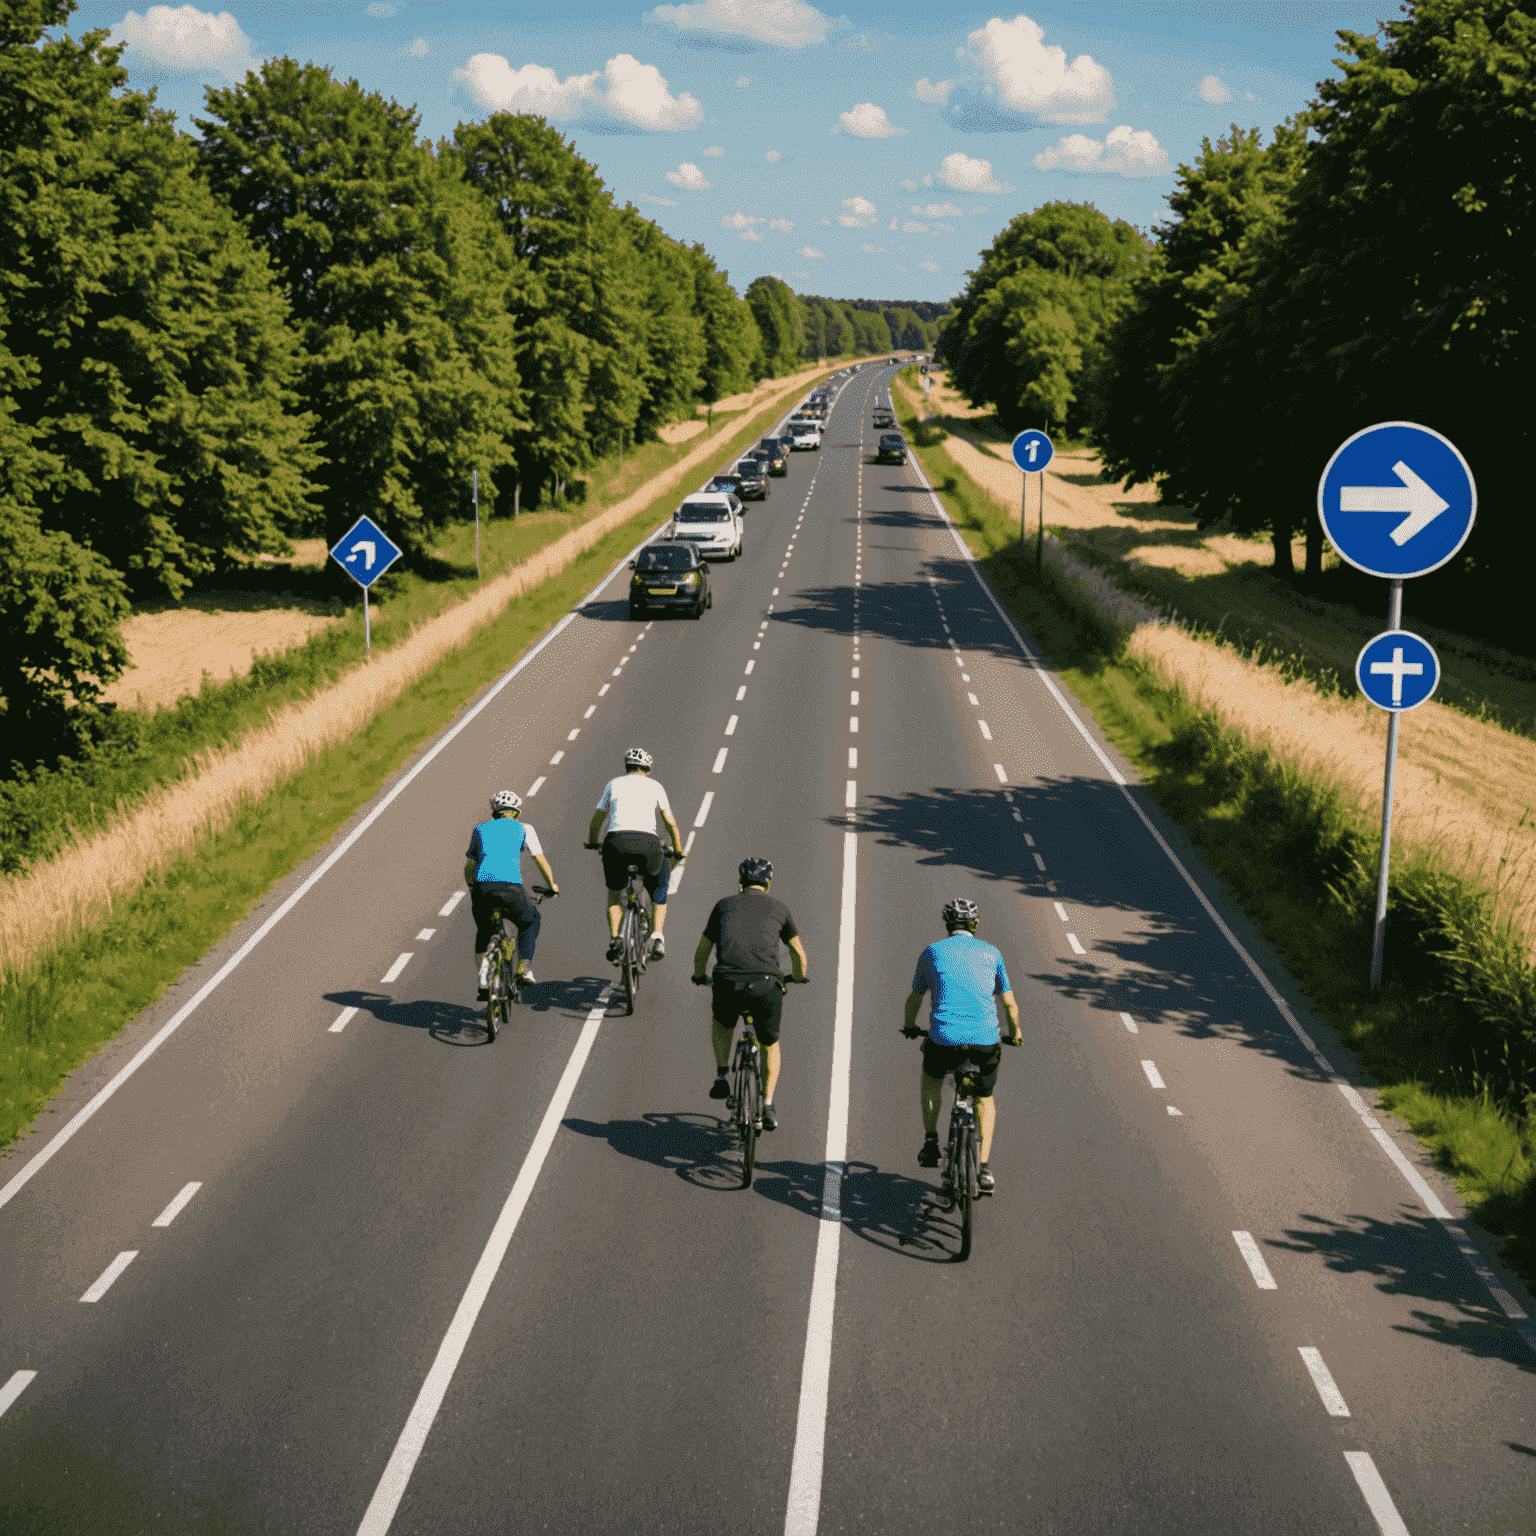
[177, 1206]
[66, 1133]
[397, 1473]
[1255, 1261]
[109, 1274]
[15, 1387]
[1479, 1265]
[1377, 1499]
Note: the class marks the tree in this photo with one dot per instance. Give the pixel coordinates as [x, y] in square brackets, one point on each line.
[731, 338]
[675, 348]
[780, 321]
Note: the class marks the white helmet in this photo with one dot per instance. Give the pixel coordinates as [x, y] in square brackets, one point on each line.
[505, 800]
[638, 757]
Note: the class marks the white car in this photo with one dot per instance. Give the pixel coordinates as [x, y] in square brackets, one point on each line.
[710, 521]
[804, 435]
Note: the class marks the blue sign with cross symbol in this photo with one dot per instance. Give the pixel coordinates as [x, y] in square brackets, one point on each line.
[365, 552]
[1397, 670]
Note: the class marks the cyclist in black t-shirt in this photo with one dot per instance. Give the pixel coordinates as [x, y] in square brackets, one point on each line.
[745, 930]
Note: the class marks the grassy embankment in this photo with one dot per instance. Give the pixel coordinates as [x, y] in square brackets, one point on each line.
[1452, 1033]
[57, 1011]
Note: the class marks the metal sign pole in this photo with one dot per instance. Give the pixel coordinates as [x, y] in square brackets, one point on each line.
[475, 496]
[1378, 942]
[367, 630]
[1040, 531]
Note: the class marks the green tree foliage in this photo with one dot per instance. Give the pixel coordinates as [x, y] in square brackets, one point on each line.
[780, 320]
[399, 280]
[1028, 334]
[731, 337]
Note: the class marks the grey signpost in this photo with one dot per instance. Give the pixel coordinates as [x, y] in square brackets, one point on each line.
[1396, 500]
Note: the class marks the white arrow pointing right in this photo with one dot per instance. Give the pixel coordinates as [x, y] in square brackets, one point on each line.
[1415, 498]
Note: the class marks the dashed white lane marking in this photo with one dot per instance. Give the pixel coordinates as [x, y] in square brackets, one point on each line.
[775, 592]
[853, 723]
[343, 1018]
[15, 1387]
[1377, 1499]
[591, 710]
[720, 760]
[1322, 1379]
[975, 702]
[959, 661]
[1076, 943]
[1129, 1023]
[1153, 1075]
[1061, 912]
[741, 693]
[109, 1274]
[997, 768]
[425, 934]
[986, 730]
[750, 665]
[757, 645]
[853, 697]
[402, 1461]
[1255, 1261]
[616, 671]
[704, 805]
[730, 725]
[574, 734]
[393, 973]
[687, 848]
[1017, 816]
[554, 762]
[1173, 1111]
[604, 689]
[178, 1205]
[851, 795]
[1029, 842]
[965, 677]
[536, 786]
[446, 910]
[855, 672]
[853, 757]
[1039, 862]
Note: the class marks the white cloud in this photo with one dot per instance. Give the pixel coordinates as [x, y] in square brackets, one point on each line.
[715, 152]
[863, 40]
[740, 221]
[415, 50]
[381, 8]
[912, 227]
[878, 250]
[895, 225]
[928, 264]
[867, 121]
[625, 89]
[826, 221]
[744, 83]
[938, 211]
[812, 252]
[1023, 75]
[858, 213]
[186, 38]
[689, 177]
[1212, 91]
[1249, 96]
[934, 94]
[966, 174]
[803, 276]
[782, 225]
[768, 23]
[948, 229]
[1121, 152]
[661, 202]
[773, 157]
[752, 235]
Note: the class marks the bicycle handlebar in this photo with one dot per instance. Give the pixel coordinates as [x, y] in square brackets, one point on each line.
[783, 981]
[922, 1034]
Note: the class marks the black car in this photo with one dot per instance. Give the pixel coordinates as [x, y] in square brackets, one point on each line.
[726, 480]
[892, 449]
[669, 576]
[776, 453]
[753, 479]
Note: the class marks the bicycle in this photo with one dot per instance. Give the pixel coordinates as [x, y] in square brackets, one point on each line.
[958, 1184]
[634, 933]
[503, 987]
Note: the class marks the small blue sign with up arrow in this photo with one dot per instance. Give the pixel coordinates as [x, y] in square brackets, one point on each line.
[365, 552]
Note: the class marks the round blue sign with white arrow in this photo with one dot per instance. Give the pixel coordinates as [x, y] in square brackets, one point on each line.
[1397, 670]
[1397, 500]
[1032, 451]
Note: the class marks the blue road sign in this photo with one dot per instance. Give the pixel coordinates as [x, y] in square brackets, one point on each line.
[1032, 451]
[1397, 500]
[1397, 670]
[365, 552]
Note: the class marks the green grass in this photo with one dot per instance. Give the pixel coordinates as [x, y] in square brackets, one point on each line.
[1451, 1036]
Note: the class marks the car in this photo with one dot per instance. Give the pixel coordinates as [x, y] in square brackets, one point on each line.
[669, 576]
[711, 522]
[892, 448]
[728, 481]
[807, 435]
[776, 451]
[752, 480]
[883, 417]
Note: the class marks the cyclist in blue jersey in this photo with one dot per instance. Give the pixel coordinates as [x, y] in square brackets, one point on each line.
[493, 870]
[961, 976]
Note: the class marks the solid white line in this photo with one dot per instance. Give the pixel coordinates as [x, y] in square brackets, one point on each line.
[803, 1511]
[1255, 1261]
[997, 768]
[730, 725]
[720, 760]
[446, 910]
[391, 1488]
[344, 1018]
[1076, 943]
[1129, 1023]
[1153, 1076]
[393, 973]
[1322, 1379]
[1377, 1499]
[704, 805]
[177, 1206]
[109, 1274]
[1061, 912]
[15, 1387]
[425, 934]
[536, 786]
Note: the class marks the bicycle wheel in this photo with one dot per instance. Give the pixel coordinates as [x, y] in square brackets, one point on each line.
[630, 968]
[966, 1189]
[748, 1116]
[493, 991]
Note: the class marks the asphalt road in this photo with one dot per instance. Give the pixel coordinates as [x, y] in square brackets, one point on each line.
[427, 1284]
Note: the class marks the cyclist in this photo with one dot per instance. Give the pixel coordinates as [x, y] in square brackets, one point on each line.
[962, 974]
[746, 929]
[493, 870]
[626, 816]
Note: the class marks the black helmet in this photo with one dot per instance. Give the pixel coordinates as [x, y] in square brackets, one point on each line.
[961, 913]
[754, 871]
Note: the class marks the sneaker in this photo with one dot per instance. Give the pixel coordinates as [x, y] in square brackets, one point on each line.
[615, 950]
[526, 979]
[984, 1180]
[929, 1156]
[485, 973]
[770, 1118]
[658, 947]
[720, 1088]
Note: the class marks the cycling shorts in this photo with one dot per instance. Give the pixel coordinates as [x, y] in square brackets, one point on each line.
[740, 993]
[490, 901]
[940, 1060]
[621, 849]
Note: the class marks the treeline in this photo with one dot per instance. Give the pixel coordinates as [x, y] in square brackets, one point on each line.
[1362, 265]
[808, 326]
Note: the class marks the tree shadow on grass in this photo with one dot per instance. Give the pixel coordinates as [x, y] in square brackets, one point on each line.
[889, 1210]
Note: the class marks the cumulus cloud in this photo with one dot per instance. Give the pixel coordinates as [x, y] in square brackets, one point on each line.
[782, 225]
[936, 95]
[861, 41]
[734, 24]
[185, 38]
[1022, 75]
[912, 186]
[928, 264]
[812, 252]
[1249, 96]
[1212, 91]
[661, 202]
[627, 91]
[773, 157]
[858, 213]
[382, 8]
[948, 229]
[1121, 152]
[966, 174]
[895, 225]
[912, 227]
[415, 50]
[744, 83]
[938, 211]
[689, 177]
[716, 152]
[739, 221]
[867, 121]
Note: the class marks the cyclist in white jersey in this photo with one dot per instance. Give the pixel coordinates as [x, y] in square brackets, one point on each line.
[625, 824]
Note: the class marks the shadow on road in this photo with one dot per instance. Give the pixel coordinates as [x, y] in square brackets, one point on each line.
[463, 1024]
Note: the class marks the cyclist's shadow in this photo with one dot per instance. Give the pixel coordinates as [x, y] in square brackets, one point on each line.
[888, 1209]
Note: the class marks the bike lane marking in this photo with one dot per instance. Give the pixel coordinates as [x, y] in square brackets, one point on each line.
[381, 1510]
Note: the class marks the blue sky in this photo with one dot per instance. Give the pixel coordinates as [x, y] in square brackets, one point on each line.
[860, 151]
